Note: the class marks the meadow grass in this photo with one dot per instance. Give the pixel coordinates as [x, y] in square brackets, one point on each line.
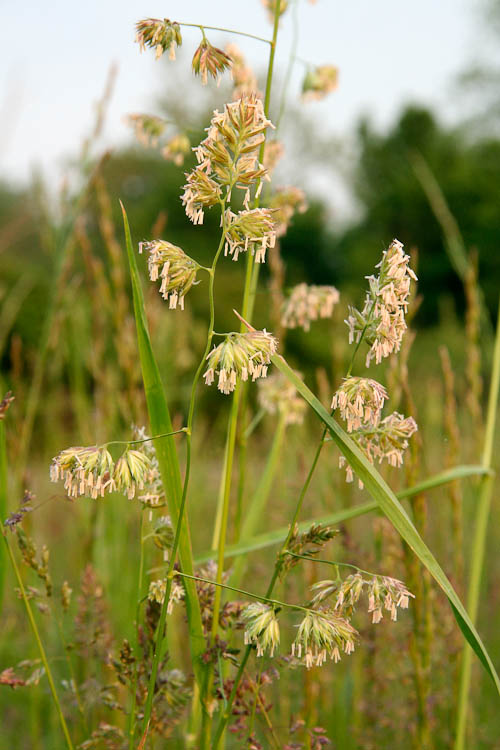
[167, 619]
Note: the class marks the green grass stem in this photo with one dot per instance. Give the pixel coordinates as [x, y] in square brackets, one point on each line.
[479, 542]
[39, 644]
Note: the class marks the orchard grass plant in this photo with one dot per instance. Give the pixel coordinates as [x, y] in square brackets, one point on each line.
[206, 642]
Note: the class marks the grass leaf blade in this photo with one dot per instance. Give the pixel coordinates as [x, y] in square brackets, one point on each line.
[159, 417]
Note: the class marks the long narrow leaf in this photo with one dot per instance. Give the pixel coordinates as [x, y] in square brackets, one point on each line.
[392, 508]
[166, 453]
[270, 538]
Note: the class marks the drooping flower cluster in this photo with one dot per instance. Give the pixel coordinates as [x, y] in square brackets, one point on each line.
[387, 593]
[160, 35]
[285, 202]
[200, 192]
[210, 60]
[382, 592]
[382, 319]
[360, 401]
[320, 82]
[240, 355]
[92, 472]
[386, 441]
[85, 471]
[245, 81]
[147, 128]
[252, 229]
[308, 303]
[323, 633]
[176, 270]
[262, 628]
[132, 470]
[389, 440]
[278, 396]
[176, 149]
[228, 157]
[157, 591]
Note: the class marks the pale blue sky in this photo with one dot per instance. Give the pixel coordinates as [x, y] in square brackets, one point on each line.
[55, 58]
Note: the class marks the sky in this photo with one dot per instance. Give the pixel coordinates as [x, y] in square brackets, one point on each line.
[56, 57]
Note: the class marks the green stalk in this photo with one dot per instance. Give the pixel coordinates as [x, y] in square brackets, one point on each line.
[181, 521]
[227, 712]
[140, 575]
[479, 541]
[233, 419]
[168, 461]
[260, 497]
[202, 26]
[41, 649]
[220, 501]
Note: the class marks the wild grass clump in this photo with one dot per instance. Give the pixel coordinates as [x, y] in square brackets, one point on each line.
[186, 645]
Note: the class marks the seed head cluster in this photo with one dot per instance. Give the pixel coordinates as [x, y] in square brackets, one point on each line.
[228, 157]
[92, 472]
[360, 402]
[147, 128]
[252, 229]
[160, 35]
[261, 628]
[382, 593]
[320, 82]
[240, 355]
[307, 303]
[210, 60]
[382, 319]
[323, 633]
[176, 270]
[158, 589]
[389, 440]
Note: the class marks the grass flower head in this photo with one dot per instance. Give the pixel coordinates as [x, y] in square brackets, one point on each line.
[160, 35]
[307, 303]
[320, 82]
[85, 471]
[228, 157]
[240, 355]
[262, 627]
[209, 60]
[176, 270]
[321, 634]
[252, 229]
[132, 472]
[147, 128]
[360, 401]
[382, 319]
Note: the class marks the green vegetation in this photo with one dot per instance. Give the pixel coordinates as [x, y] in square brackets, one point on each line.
[168, 590]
